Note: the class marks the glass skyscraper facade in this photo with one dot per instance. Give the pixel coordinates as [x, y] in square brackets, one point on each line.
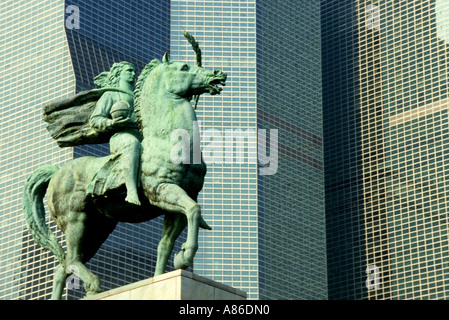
[114, 31]
[267, 220]
[51, 50]
[291, 201]
[384, 96]
[265, 200]
[385, 69]
[228, 253]
[36, 68]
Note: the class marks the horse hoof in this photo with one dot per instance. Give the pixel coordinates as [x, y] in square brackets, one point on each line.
[91, 293]
[184, 258]
[179, 261]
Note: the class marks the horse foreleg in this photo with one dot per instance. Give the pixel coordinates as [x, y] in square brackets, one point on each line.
[174, 224]
[173, 198]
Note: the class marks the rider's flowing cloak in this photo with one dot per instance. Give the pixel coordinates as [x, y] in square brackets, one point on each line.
[68, 119]
[68, 124]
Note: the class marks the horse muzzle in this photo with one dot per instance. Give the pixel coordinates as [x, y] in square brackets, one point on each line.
[216, 82]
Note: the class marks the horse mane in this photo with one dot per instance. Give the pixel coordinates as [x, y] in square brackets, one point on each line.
[139, 86]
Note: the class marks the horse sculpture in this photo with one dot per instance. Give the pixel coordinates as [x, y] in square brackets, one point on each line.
[162, 105]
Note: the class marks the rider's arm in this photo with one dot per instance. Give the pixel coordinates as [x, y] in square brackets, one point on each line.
[100, 118]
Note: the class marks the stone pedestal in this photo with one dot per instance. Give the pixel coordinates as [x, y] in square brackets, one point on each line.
[175, 285]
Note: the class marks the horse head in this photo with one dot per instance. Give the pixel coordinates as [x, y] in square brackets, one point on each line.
[185, 80]
[168, 83]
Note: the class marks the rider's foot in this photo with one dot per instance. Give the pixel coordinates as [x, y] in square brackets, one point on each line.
[134, 199]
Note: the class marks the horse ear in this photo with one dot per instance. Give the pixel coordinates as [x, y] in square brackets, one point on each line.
[166, 58]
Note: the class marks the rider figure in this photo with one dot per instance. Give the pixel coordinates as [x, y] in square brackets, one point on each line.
[126, 137]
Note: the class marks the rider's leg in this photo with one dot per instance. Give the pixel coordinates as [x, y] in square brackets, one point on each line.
[130, 147]
[133, 170]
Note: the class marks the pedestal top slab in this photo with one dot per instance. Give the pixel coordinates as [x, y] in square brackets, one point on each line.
[175, 285]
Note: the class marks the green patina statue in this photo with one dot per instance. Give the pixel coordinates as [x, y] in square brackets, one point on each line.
[138, 182]
[114, 112]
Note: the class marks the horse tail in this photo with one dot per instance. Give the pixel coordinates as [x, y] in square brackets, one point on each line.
[33, 206]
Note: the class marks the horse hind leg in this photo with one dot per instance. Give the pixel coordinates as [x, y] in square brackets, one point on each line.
[74, 263]
[59, 280]
[80, 250]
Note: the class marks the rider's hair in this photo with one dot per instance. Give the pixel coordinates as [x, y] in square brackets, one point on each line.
[111, 78]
